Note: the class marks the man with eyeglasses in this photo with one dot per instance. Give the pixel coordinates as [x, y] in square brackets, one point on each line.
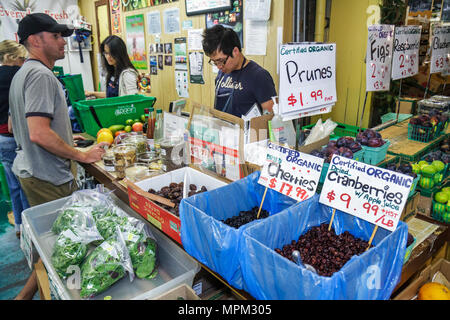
[240, 83]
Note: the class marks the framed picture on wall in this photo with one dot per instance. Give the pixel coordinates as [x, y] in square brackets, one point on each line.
[196, 7]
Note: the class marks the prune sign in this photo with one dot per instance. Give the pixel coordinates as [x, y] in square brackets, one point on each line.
[379, 57]
[291, 172]
[307, 77]
[370, 193]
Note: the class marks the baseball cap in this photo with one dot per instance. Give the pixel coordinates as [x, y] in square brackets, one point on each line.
[38, 22]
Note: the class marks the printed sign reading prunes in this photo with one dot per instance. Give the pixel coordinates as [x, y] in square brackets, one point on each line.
[307, 77]
[379, 57]
[440, 49]
[371, 193]
[405, 62]
[291, 172]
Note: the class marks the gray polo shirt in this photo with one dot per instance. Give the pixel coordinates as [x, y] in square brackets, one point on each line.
[35, 91]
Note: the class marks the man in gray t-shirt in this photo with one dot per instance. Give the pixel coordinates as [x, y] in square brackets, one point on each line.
[32, 159]
[40, 120]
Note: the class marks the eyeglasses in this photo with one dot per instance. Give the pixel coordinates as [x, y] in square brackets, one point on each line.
[218, 62]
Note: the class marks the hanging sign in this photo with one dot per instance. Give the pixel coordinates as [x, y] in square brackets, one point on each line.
[379, 57]
[307, 77]
[291, 172]
[370, 193]
[405, 61]
[440, 49]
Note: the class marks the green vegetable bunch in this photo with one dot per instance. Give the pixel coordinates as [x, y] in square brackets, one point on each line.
[103, 267]
[68, 250]
[142, 250]
[64, 220]
[106, 222]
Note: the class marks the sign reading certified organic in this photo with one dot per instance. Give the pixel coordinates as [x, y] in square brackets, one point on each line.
[370, 193]
[405, 62]
[291, 172]
[440, 49]
[307, 76]
[379, 57]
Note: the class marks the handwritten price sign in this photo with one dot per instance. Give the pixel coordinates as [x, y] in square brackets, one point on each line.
[405, 62]
[379, 57]
[307, 77]
[291, 172]
[440, 50]
[373, 194]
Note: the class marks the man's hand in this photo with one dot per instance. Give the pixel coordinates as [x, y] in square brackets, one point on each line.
[76, 138]
[95, 153]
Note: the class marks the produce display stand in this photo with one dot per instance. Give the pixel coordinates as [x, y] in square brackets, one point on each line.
[419, 257]
[409, 150]
[175, 266]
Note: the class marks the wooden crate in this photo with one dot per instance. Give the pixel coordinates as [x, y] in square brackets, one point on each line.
[182, 292]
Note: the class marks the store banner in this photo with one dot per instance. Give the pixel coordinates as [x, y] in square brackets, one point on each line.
[12, 11]
[368, 192]
[307, 78]
[379, 57]
[405, 62]
[440, 49]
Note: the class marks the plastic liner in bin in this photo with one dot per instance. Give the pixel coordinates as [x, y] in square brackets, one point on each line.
[214, 243]
[372, 275]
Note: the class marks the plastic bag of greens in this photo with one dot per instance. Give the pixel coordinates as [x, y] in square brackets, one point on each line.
[106, 222]
[80, 204]
[142, 247]
[104, 266]
[71, 247]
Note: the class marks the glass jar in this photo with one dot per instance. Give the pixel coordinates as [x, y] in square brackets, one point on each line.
[108, 160]
[137, 171]
[172, 153]
[124, 156]
[147, 157]
[139, 140]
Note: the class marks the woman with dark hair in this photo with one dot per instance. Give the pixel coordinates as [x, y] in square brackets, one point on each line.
[121, 75]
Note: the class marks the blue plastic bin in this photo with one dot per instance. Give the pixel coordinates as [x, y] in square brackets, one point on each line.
[214, 243]
[372, 275]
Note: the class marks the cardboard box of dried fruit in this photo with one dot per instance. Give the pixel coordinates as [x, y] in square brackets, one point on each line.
[141, 200]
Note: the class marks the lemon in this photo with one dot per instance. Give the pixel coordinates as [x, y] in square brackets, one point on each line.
[104, 130]
[105, 137]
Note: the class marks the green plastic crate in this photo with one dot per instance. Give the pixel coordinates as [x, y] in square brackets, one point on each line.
[392, 116]
[416, 157]
[422, 134]
[74, 87]
[103, 113]
[342, 130]
[375, 155]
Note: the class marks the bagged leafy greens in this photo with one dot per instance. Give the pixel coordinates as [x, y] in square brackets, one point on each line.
[104, 266]
[82, 203]
[142, 247]
[71, 247]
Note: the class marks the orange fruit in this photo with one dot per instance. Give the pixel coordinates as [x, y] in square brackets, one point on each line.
[433, 291]
[119, 132]
[105, 137]
[104, 130]
[137, 127]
